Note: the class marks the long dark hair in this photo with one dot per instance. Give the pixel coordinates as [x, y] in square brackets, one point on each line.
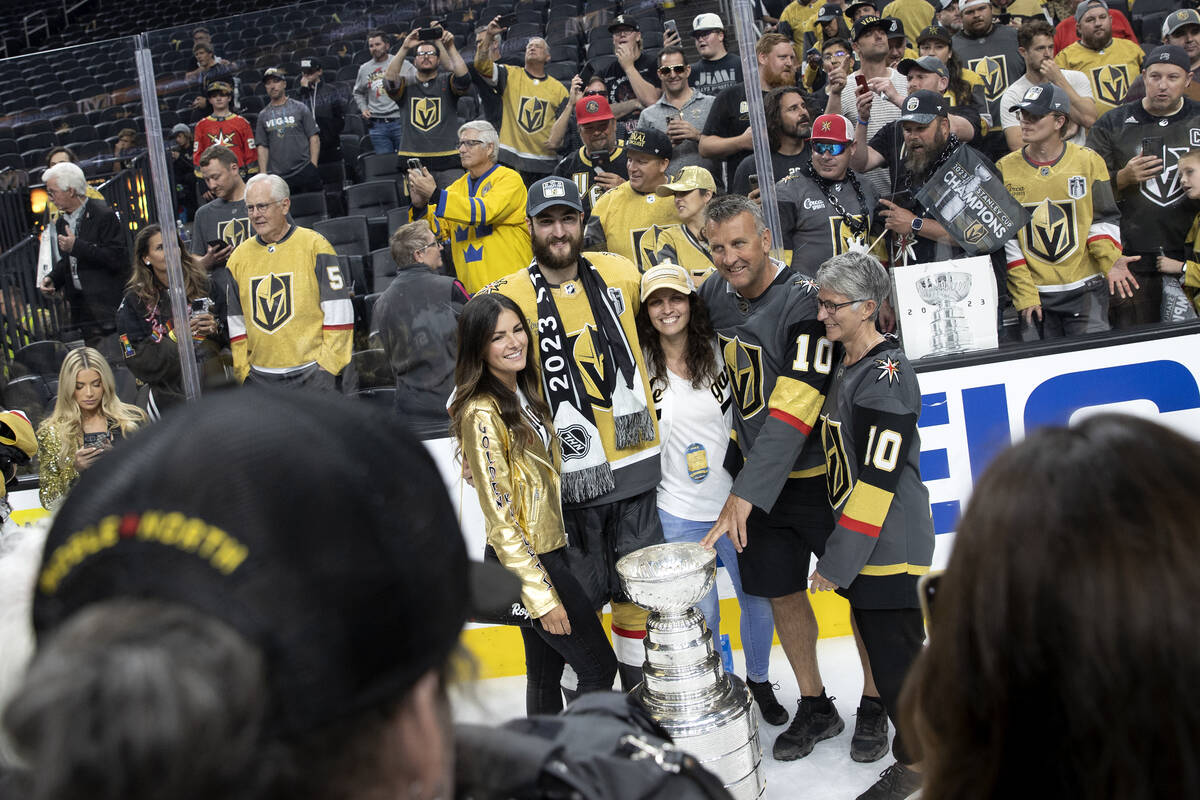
[1063, 638]
[145, 284]
[958, 85]
[698, 355]
[472, 377]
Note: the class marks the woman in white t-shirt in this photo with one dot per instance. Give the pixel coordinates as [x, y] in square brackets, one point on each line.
[691, 393]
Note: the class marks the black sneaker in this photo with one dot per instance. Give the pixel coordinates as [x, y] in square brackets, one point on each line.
[895, 783]
[870, 742]
[808, 727]
[764, 695]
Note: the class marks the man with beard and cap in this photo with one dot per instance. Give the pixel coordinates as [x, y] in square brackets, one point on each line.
[1066, 33]
[911, 149]
[681, 111]
[1155, 213]
[600, 164]
[727, 135]
[871, 43]
[1182, 29]
[1037, 47]
[992, 52]
[1110, 64]
[196, 638]
[581, 309]
[788, 128]
[622, 215]
[824, 208]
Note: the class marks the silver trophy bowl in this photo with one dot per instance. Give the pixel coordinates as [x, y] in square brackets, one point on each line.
[708, 713]
[944, 287]
[950, 330]
[668, 578]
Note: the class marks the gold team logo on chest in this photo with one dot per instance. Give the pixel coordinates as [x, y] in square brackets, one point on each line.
[271, 296]
[1051, 233]
[1111, 83]
[994, 72]
[531, 115]
[743, 364]
[425, 112]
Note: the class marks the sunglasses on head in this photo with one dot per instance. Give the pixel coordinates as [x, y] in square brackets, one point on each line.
[678, 69]
[829, 148]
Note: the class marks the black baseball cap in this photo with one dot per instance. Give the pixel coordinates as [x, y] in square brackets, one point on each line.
[895, 28]
[650, 141]
[310, 64]
[936, 32]
[1168, 54]
[623, 21]
[865, 24]
[317, 528]
[828, 13]
[550, 192]
[928, 63]
[857, 4]
[1043, 99]
[273, 73]
[923, 107]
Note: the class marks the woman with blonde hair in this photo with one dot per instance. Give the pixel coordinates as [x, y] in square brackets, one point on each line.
[504, 430]
[88, 418]
[145, 322]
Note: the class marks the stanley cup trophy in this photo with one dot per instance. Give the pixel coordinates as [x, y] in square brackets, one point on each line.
[951, 333]
[707, 712]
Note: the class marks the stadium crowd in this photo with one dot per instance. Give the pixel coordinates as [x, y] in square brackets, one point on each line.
[607, 219]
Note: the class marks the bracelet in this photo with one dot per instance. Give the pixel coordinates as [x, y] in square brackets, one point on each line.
[863, 122]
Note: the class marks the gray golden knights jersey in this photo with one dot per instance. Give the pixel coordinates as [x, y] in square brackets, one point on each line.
[872, 470]
[813, 229]
[778, 362]
[996, 59]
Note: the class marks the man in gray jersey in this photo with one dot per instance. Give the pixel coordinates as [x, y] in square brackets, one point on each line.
[824, 209]
[994, 53]
[380, 111]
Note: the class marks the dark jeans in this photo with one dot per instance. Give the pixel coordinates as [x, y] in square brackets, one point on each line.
[1145, 307]
[585, 648]
[386, 135]
[893, 638]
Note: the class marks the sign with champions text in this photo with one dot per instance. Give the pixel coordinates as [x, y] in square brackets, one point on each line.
[968, 197]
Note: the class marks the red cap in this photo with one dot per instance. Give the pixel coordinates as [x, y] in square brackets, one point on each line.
[832, 128]
[592, 108]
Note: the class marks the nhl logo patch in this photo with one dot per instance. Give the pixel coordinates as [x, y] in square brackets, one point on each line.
[1076, 187]
[574, 441]
[554, 189]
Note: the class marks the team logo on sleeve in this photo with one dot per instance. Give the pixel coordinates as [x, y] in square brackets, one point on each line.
[1050, 234]
[888, 368]
[271, 298]
[531, 114]
[425, 112]
[1111, 83]
[994, 72]
[743, 364]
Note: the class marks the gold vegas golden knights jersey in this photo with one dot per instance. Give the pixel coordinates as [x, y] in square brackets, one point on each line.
[677, 244]
[622, 215]
[1074, 232]
[288, 306]
[1111, 70]
[529, 107]
[484, 219]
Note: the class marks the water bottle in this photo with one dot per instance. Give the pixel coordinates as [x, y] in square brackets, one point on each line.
[183, 234]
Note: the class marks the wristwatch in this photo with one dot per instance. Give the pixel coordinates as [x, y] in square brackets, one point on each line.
[916, 224]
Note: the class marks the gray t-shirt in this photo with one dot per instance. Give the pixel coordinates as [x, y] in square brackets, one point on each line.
[995, 57]
[284, 130]
[222, 220]
[695, 112]
[370, 91]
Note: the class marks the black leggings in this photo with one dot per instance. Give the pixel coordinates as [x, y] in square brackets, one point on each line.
[893, 638]
[585, 648]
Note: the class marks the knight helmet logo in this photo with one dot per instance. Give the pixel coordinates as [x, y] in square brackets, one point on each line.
[912, 104]
[1111, 83]
[591, 360]
[1051, 233]
[975, 232]
[994, 72]
[271, 298]
[743, 364]
[531, 114]
[425, 112]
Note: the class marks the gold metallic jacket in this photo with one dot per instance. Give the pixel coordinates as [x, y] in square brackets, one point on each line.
[520, 498]
[57, 467]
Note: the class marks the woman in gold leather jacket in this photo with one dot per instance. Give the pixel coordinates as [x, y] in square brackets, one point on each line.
[504, 432]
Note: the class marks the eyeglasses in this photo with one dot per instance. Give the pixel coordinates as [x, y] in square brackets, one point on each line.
[1028, 116]
[253, 208]
[677, 69]
[469, 143]
[834, 54]
[829, 148]
[425, 247]
[830, 307]
[698, 35]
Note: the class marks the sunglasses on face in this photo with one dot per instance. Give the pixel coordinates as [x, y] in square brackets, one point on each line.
[829, 148]
[677, 69]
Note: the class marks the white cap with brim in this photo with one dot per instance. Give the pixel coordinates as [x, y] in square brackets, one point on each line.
[666, 275]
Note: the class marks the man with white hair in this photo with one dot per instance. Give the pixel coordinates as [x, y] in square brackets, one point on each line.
[482, 213]
[532, 101]
[289, 315]
[94, 261]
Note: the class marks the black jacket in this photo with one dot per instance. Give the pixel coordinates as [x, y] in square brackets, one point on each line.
[102, 264]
